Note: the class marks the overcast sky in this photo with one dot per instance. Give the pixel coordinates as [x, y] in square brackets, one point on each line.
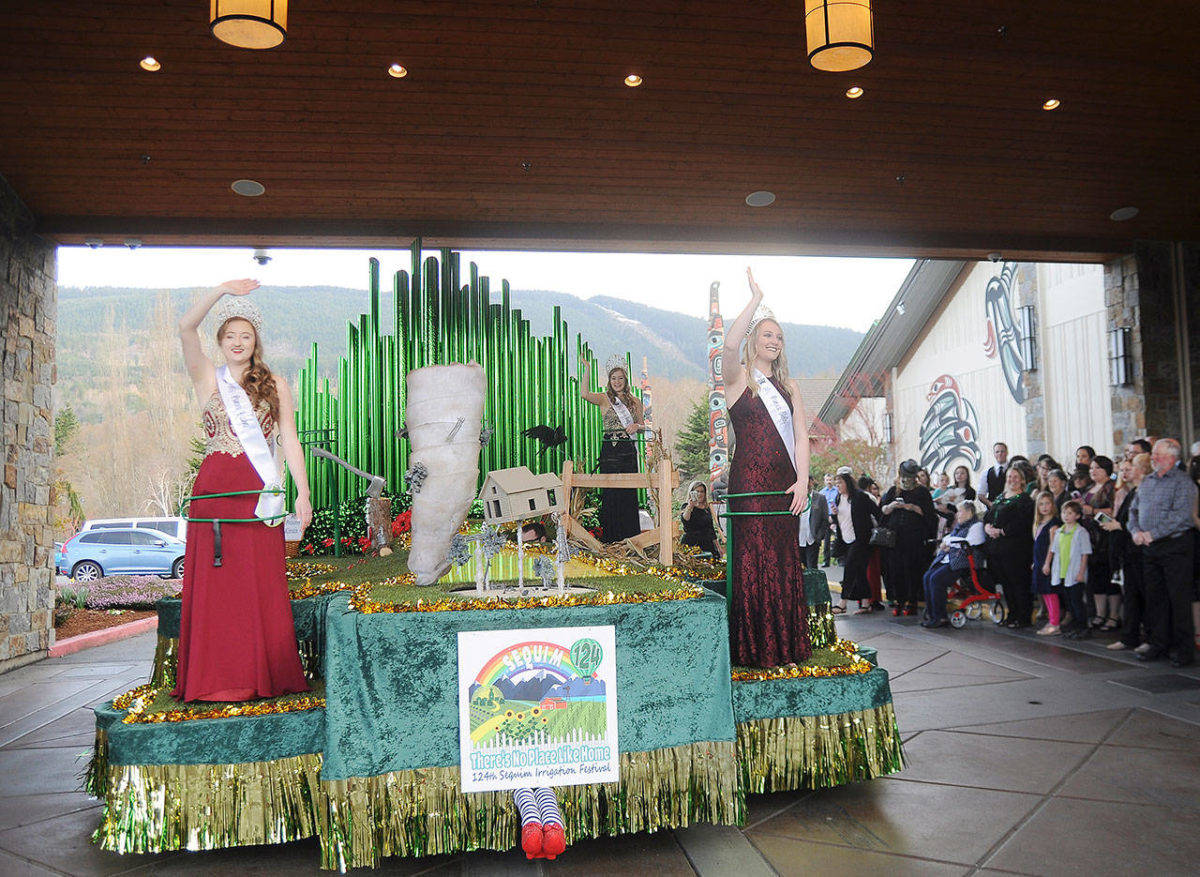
[822, 291]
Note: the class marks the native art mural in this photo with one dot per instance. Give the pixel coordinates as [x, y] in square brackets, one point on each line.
[950, 430]
[1003, 336]
[718, 422]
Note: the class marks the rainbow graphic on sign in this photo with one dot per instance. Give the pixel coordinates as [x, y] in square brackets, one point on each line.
[539, 691]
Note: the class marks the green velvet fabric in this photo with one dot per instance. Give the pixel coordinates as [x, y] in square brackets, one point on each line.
[777, 698]
[391, 679]
[213, 741]
[816, 588]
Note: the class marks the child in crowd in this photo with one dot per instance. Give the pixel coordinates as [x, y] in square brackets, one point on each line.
[1066, 564]
[1045, 521]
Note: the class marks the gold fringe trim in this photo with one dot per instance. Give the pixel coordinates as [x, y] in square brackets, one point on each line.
[423, 812]
[153, 808]
[802, 752]
[821, 631]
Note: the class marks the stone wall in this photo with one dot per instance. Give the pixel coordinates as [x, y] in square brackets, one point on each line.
[28, 300]
[1122, 298]
[1035, 399]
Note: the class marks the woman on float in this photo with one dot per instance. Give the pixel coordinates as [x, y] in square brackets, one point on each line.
[236, 637]
[698, 529]
[622, 421]
[769, 616]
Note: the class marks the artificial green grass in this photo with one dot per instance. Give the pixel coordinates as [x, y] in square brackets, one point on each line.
[819, 658]
[359, 570]
[163, 702]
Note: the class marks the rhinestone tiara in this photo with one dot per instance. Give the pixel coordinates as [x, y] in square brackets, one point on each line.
[242, 308]
[762, 313]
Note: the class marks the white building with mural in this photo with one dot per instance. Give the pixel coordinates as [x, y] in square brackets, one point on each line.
[971, 353]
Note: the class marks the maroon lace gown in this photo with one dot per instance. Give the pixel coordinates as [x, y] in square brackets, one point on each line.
[237, 640]
[768, 622]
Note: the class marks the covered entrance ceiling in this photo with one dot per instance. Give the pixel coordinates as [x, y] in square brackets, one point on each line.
[514, 128]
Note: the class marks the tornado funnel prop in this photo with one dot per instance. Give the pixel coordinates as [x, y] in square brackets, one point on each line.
[444, 419]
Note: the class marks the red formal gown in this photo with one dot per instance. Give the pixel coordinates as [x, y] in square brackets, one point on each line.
[236, 636]
[768, 624]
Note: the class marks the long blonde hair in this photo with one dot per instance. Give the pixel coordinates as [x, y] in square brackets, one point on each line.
[258, 382]
[1038, 518]
[627, 397]
[779, 368]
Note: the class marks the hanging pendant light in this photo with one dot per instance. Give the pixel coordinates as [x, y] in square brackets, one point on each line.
[840, 34]
[249, 24]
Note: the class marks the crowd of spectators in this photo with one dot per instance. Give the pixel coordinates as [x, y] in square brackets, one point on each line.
[1102, 546]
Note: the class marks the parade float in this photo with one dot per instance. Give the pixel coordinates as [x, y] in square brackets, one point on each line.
[460, 663]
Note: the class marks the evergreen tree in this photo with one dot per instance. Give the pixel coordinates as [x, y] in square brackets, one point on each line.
[66, 424]
[691, 445]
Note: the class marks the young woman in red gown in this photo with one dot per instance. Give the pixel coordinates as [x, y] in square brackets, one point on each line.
[236, 637]
[768, 625]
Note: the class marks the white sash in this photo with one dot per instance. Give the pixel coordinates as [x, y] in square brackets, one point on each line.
[781, 415]
[249, 432]
[622, 412]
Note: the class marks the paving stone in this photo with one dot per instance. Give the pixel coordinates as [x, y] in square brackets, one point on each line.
[1071, 837]
[77, 727]
[36, 771]
[1156, 731]
[28, 809]
[1008, 763]
[64, 844]
[762, 807]
[721, 849]
[13, 865]
[1158, 683]
[789, 856]
[657, 854]
[946, 823]
[1167, 778]
[1082, 727]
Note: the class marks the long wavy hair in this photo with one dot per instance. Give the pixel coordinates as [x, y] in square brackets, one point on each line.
[628, 398]
[779, 368]
[258, 382]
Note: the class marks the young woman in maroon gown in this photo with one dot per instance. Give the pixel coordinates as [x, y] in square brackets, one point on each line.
[236, 636]
[768, 625]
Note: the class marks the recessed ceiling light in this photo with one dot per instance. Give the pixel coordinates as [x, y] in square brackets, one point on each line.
[1051, 104]
[633, 80]
[397, 71]
[249, 188]
[150, 64]
[854, 92]
[1121, 214]
[761, 198]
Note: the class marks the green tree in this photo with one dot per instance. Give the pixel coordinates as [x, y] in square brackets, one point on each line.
[862, 457]
[691, 445]
[66, 424]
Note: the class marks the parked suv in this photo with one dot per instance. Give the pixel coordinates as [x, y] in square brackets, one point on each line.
[176, 527]
[104, 551]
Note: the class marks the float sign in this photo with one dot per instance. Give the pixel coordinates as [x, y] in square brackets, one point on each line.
[537, 707]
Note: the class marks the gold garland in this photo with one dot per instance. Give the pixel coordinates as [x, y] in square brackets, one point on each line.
[844, 647]
[309, 589]
[306, 569]
[361, 601]
[136, 701]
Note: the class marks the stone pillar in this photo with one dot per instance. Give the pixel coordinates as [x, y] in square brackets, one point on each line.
[28, 300]
[1026, 293]
[1122, 299]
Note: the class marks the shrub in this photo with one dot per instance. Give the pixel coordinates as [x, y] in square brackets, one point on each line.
[130, 592]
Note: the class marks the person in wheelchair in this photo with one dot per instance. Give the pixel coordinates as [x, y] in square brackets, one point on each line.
[951, 562]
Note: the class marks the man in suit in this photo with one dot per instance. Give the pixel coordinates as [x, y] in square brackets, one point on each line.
[814, 525]
[993, 485]
[830, 492]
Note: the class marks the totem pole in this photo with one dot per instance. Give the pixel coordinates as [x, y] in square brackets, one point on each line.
[718, 428]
